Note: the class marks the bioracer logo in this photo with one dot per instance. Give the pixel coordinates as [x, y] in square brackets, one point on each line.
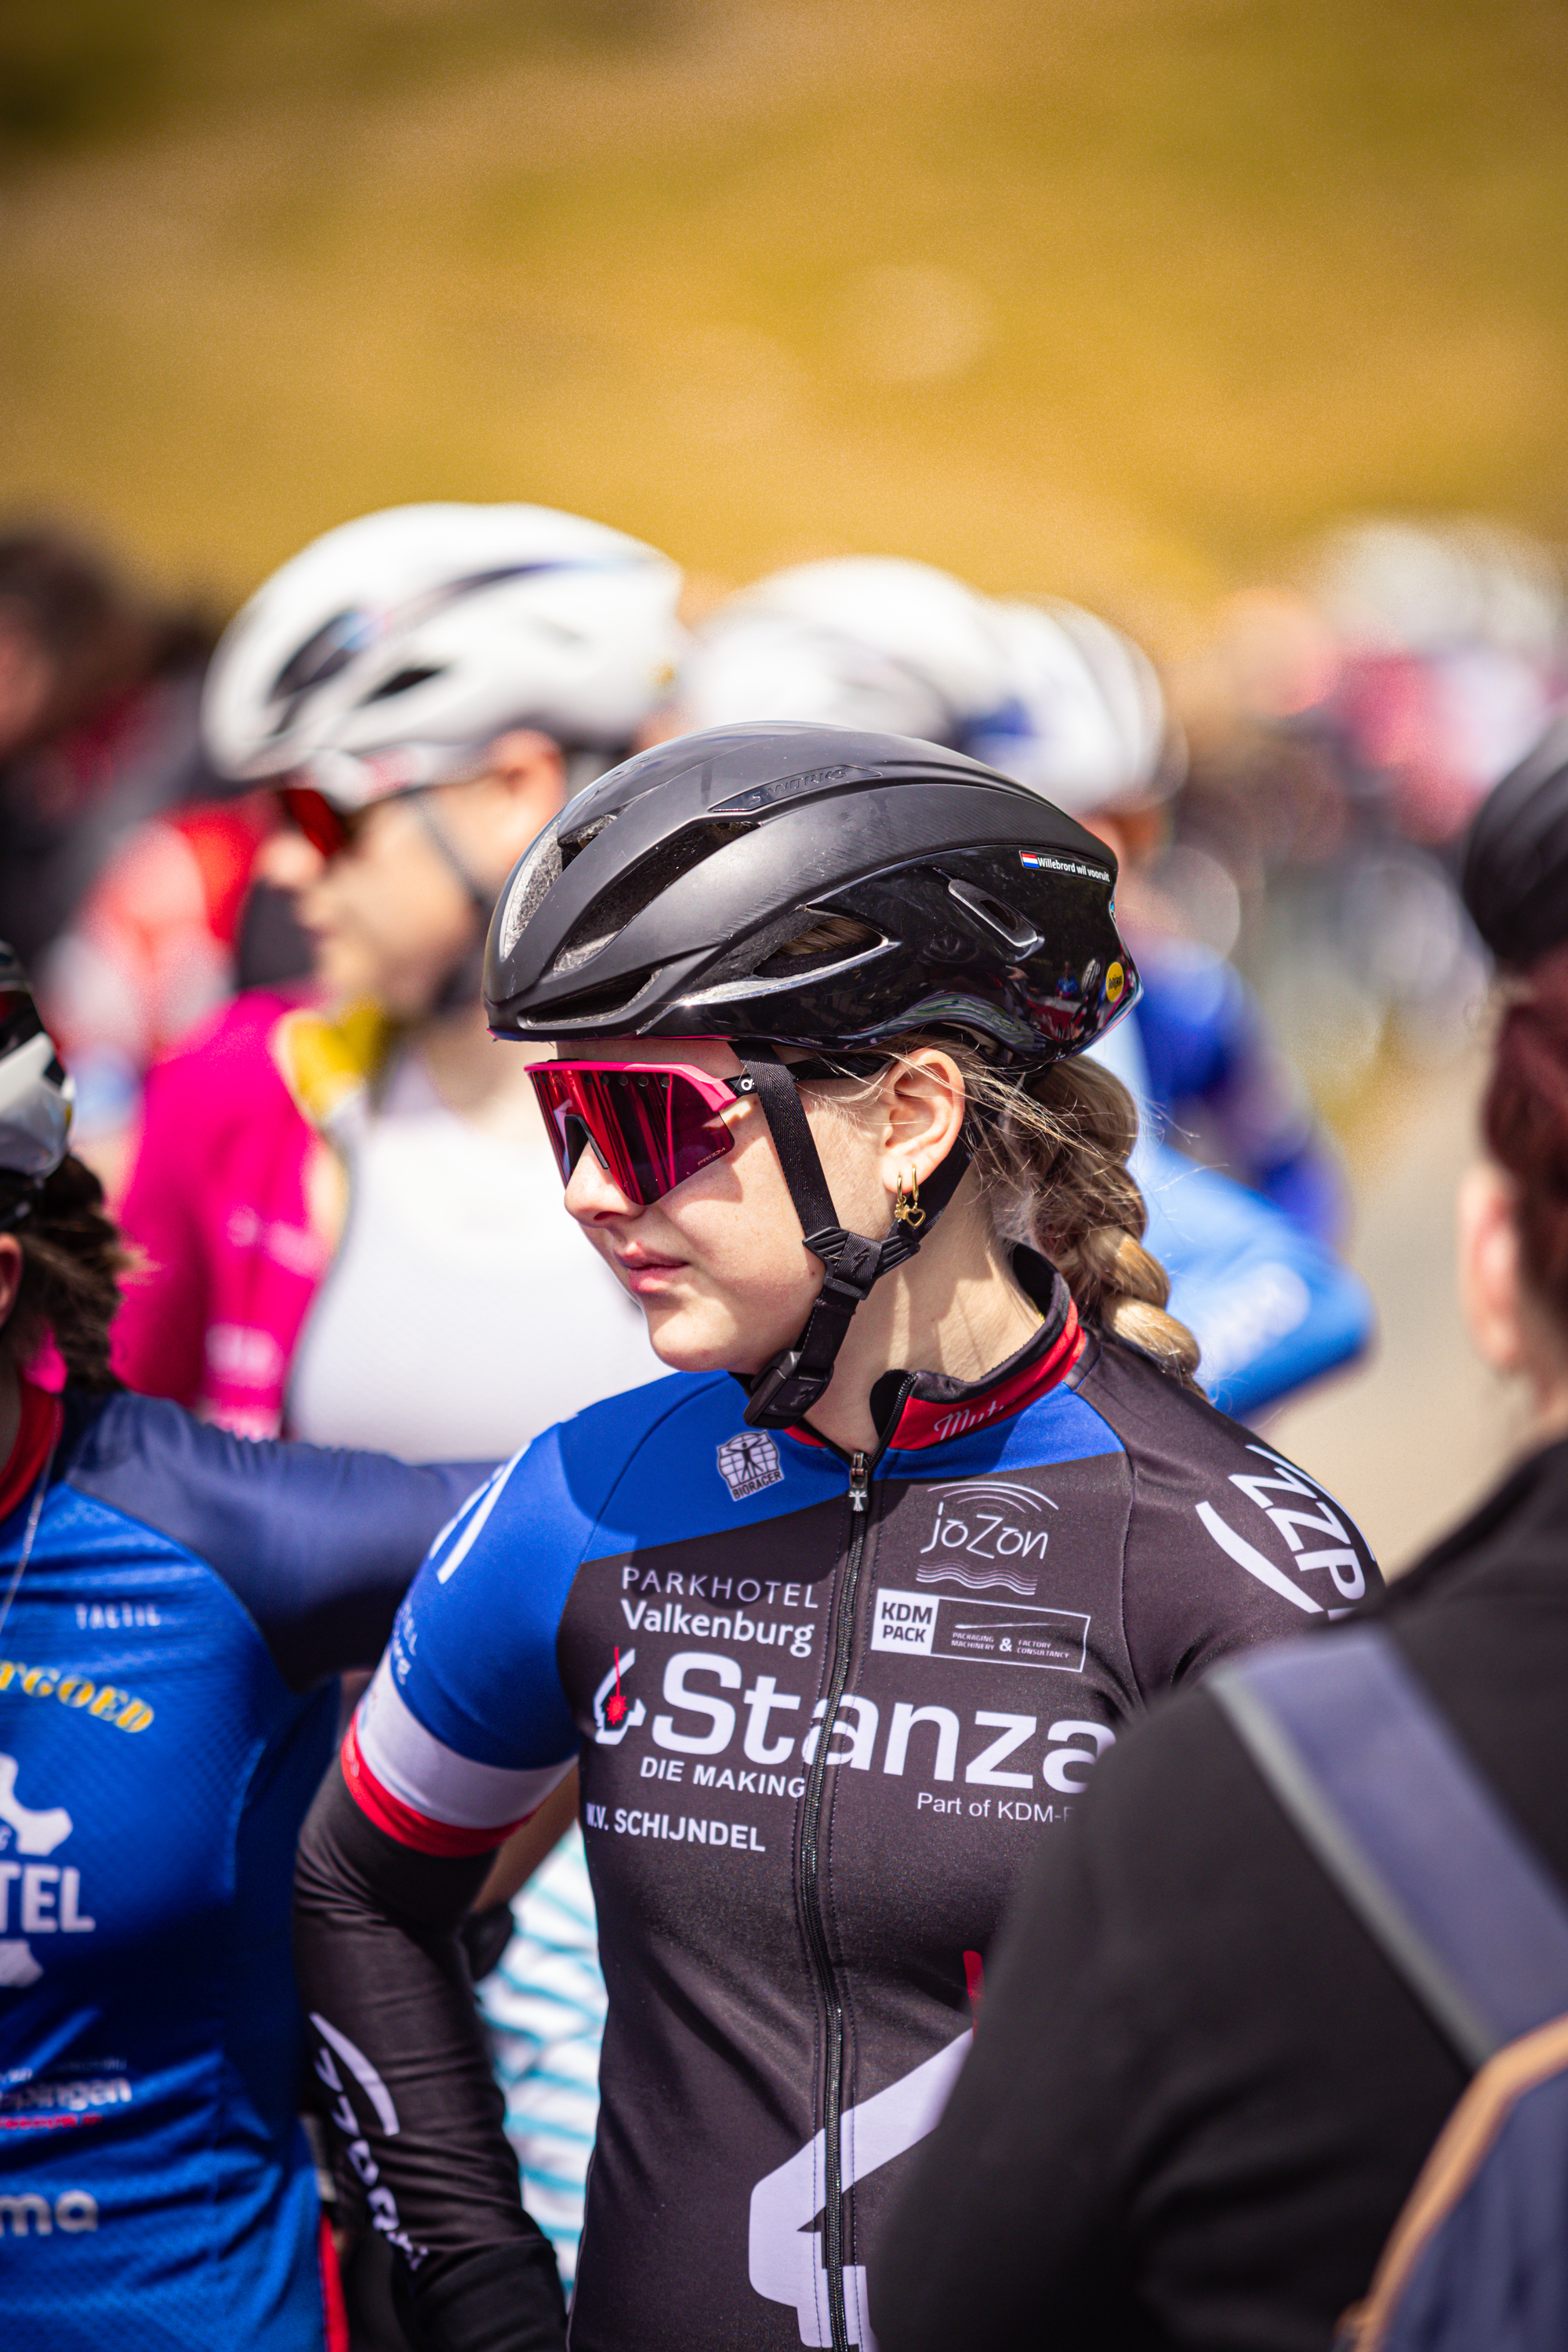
[904, 1621]
[748, 1462]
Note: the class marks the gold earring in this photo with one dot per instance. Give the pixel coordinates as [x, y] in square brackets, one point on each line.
[906, 1209]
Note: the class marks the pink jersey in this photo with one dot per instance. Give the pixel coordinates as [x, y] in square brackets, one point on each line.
[216, 1202]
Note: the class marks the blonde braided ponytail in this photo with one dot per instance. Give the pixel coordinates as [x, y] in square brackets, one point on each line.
[1052, 1155]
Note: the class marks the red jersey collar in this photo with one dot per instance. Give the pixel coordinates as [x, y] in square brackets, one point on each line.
[936, 1409]
[43, 1417]
[914, 1410]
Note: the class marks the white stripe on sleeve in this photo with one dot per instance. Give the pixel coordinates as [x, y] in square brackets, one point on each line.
[433, 1779]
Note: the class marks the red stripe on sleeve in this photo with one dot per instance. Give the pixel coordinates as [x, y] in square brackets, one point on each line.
[334, 2310]
[401, 1822]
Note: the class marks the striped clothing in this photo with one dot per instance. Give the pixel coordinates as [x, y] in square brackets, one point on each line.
[544, 2009]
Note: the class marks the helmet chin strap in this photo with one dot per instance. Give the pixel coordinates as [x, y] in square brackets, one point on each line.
[462, 986]
[784, 1391]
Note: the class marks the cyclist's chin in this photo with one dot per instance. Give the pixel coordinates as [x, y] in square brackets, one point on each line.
[707, 1335]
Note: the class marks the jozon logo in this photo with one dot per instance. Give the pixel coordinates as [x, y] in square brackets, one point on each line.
[974, 1542]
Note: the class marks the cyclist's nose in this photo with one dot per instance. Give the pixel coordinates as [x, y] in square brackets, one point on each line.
[593, 1196]
[289, 861]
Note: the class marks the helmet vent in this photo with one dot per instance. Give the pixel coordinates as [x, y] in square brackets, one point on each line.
[579, 841]
[539, 872]
[322, 655]
[831, 940]
[1015, 930]
[402, 681]
[638, 888]
[595, 1004]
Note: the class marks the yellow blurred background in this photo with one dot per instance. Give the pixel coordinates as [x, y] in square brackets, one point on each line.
[1105, 298]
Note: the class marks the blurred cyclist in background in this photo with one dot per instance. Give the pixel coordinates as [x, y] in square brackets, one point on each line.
[175, 1610]
[1345, 731]
[352, 1209]
[98, 726]
[100, 739]
[1071, 706]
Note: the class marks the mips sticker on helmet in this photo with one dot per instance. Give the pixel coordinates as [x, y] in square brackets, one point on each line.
[1115, 982]
[747, 1463]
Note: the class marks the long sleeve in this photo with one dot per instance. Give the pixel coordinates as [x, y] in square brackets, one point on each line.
[406, 2084]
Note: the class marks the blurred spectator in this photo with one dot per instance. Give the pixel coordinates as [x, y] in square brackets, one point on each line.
[100, 695]
[178, 920]
[1200, 2089]
[125, 860]
[1344, 731]
[1453, 654]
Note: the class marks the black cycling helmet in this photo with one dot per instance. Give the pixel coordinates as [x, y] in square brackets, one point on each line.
[819, 887]
[687, 894]
[1515, 879]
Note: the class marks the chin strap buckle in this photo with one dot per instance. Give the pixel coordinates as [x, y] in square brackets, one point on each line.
[786, 1390]
[781, 1395]
[851, 1264]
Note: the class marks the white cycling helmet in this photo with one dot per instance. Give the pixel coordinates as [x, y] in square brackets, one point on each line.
[35, 1094]
[867, 641]
[390, 653]
[1393, 587]
[1087, 726]
[1049, 694]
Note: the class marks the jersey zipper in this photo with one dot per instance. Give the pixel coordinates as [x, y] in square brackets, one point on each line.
[813, 1909]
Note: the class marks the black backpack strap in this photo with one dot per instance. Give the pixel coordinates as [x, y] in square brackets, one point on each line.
[1379, 1787]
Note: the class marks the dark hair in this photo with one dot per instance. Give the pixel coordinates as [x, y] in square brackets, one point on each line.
[72, 1260]
[1524, 1119]
[1515, 882]
[97, 632]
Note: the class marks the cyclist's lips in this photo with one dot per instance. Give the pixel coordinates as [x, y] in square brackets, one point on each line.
[645, 1274]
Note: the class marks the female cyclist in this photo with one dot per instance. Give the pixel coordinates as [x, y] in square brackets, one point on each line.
[174, 1608]
[329, 1194]
[351, 1205]
[837, 1623]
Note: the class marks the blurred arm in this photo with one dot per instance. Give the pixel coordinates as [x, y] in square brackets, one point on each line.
[531, 1844]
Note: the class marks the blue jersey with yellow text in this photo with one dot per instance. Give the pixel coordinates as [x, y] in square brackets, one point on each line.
[167, 1707]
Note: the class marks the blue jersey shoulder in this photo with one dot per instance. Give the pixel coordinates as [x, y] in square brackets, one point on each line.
[316, 1544]
[662, 1464]
[474, 1649]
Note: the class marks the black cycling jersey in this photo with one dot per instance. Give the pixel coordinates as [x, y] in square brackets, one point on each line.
[1203, 2092]
[826, 1708]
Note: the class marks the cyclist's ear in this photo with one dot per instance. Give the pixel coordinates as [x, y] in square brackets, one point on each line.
[529, 766]
[923, 1103]
[1489, 1285]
